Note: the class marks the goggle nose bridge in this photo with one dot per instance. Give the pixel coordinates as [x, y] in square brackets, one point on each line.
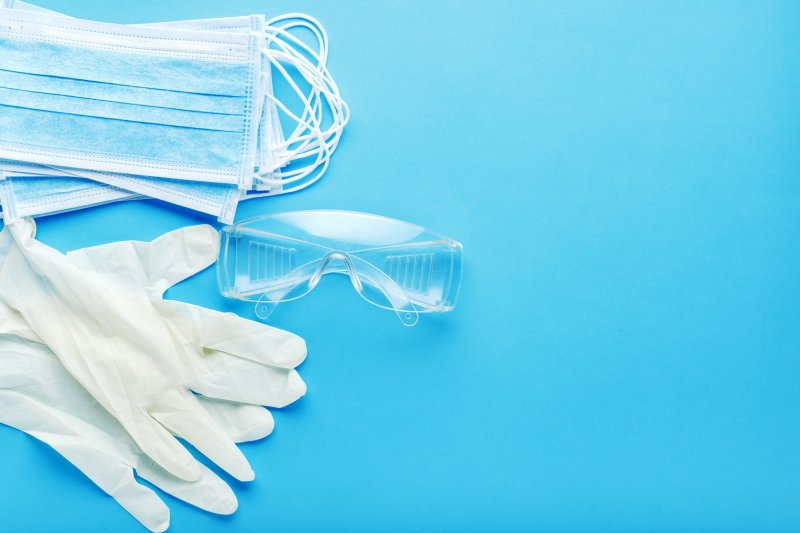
[329, 258]
[407, 314]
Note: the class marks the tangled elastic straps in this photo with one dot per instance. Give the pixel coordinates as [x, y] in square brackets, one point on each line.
[302, 157]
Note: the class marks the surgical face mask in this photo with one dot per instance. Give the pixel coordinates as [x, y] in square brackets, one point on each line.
[283, 163]
[306, 152]
[162, 102]
[58, 195]
[25, 195]
[391, 264]
[219, 200]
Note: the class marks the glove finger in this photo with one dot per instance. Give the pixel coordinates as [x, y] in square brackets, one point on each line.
[105, 467]
[113, 476]
[258, 343]
[159, 444]
[232, 334]
[242, 422]
[209, 492]
[183, 415]
[142, 503]
[222, 376]
[38, 396]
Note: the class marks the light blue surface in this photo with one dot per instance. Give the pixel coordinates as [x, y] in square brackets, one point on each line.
[626, 352]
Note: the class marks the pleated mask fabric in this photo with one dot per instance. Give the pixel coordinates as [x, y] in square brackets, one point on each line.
[167, 103]
[25, 195]
[217, 199]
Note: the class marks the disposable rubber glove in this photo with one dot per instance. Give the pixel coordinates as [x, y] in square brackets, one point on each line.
[243, 360]
[38, 396]
[141, 357]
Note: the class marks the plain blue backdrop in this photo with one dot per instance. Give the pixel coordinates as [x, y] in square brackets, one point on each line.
[625, 179]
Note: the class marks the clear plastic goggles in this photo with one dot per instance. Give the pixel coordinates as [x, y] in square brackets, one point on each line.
[392, 264]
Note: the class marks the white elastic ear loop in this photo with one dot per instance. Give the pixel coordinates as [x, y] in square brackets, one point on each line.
[308, 139]
[291, 46]
[297, 142]
[309, 114]
[316, 141]
[312, 103]
[293, 21]
[312, 142]
[301, 20]
[321, 57]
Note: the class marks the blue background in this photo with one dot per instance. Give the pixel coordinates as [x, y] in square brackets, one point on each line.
[626, 351]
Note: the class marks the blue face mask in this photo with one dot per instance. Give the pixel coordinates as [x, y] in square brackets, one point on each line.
[28, 195]
[115, 98]
[217, 199]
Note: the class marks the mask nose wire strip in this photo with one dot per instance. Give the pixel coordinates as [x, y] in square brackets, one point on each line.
[309, 139]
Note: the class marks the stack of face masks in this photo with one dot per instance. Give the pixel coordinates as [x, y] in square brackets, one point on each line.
[184, 112]
[96, 364]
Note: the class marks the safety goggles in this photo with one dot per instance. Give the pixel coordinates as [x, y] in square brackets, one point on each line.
[392, 264]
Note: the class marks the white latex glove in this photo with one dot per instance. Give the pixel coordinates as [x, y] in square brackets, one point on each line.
[142, 357]
[233, 348]
[38, 396]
